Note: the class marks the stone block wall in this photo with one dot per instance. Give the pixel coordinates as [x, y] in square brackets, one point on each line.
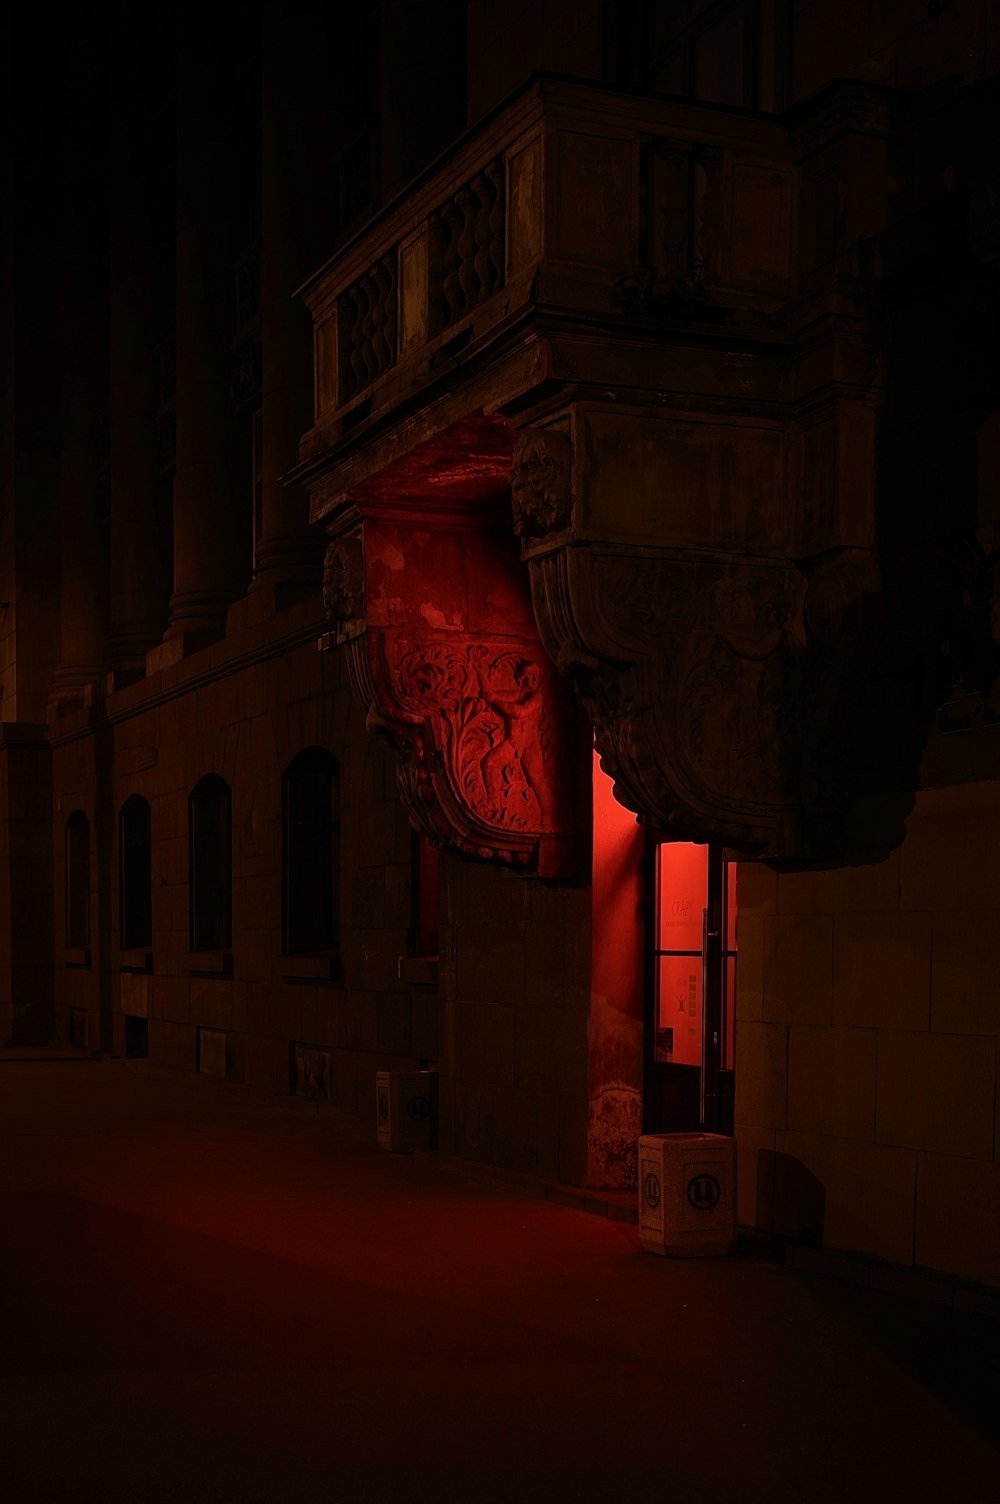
[869, 1015]
[508, 41]
[515, 990]
[215, 713]
[901, 44]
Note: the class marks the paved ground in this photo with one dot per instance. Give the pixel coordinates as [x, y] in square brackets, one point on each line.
[211, 1298]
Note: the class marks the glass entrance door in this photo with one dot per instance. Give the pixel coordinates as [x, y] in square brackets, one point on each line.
[691, 1028]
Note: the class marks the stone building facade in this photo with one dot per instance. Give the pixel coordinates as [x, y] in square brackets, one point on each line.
[419, 423]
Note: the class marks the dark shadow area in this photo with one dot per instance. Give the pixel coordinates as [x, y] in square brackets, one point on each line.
[953, 1355]
[790, 1200]
[136, 1038]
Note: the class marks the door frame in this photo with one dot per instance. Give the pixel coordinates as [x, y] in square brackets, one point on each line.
[681, 1098]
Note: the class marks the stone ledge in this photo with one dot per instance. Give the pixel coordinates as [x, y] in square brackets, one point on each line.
[418, 970]
[927, 1285]
[309, 967]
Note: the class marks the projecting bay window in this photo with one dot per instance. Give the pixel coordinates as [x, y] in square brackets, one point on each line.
[726, 52]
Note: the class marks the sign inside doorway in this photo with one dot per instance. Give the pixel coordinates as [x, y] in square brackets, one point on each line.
[694, 954]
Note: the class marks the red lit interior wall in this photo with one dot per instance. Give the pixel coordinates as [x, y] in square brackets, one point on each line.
[682, 893]
[616, 990]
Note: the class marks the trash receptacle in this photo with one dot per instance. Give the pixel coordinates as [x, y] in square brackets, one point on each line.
[405, 1106]
[687, 1193]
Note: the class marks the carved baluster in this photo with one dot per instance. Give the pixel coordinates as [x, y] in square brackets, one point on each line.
[381, 358]
[389, 306]
[483, 190]
[365, 328]
[494, 175]
[352, 324]
[468, 280]
[436, 273]
[452, 288]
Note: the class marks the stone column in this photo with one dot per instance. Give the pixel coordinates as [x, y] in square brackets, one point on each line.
[213, 498]
[81, 380]
[141, 322]
[297, 236]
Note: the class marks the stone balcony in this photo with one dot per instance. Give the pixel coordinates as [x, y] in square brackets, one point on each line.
[574, 212]
[646, 337]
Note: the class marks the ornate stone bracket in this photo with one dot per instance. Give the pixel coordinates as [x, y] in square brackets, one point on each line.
[730, 701]
[344, 588]
[753, 700]
[445, 655]
[682, 667]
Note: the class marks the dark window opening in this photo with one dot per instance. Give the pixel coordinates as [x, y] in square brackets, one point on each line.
[210, 855]
[725, 52]
[77, 881]
[136, 1038]
[311, 853]
[135, 883]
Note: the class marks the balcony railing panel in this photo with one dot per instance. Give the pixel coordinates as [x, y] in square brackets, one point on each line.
[570, 197]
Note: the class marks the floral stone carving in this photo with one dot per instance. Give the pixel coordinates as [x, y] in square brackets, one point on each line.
[344, 587]
[540, 482]
[450, 667]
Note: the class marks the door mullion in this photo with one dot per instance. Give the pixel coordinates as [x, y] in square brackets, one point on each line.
[711, 1054]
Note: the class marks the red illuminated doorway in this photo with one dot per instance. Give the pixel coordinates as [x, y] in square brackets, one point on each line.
[691, 1009]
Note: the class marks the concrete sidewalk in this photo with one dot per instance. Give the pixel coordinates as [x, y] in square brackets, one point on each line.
[208, 1297]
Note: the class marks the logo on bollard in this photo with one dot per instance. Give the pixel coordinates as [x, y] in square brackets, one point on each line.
[704, 1192]
[651, 1190]
[418, 1108]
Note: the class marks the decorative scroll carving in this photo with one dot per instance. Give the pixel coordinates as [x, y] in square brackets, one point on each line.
[753, 703]
[724, 696]
[493, 727]
[540, 482]
[482, 758]
[445, 656]
[344, 587]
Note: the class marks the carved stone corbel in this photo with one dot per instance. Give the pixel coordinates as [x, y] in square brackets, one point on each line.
[448, 663]
[344, 587]
[736, 694]
[683, 668]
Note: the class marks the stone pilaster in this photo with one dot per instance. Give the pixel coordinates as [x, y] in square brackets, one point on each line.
[141, 320]
[212, 509]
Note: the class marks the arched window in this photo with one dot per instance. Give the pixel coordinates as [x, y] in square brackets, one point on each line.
[77, 881]
[135, 883]
[310, 853]
[210, 841]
